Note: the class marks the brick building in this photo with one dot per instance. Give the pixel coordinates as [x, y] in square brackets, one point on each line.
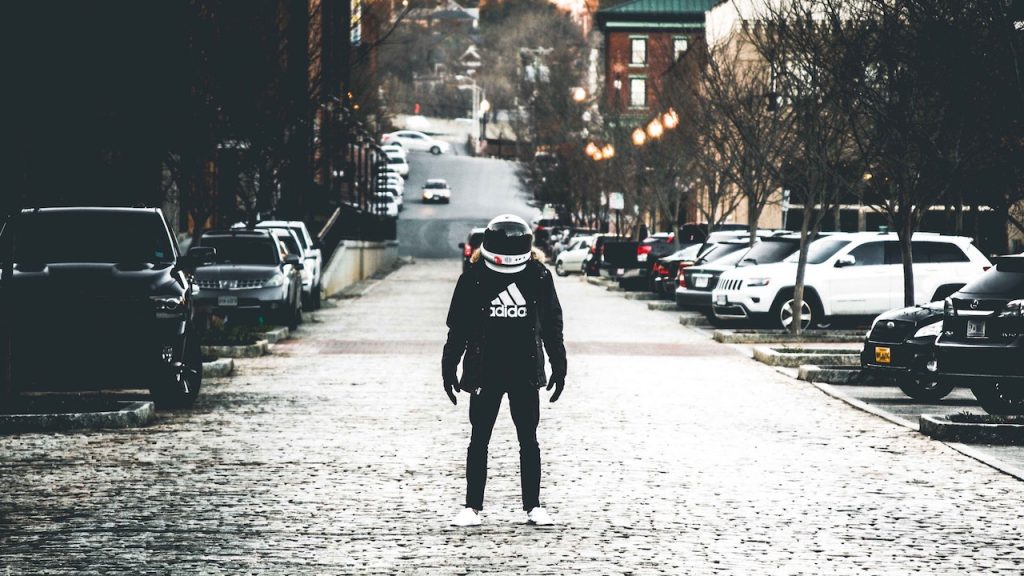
[642, 40]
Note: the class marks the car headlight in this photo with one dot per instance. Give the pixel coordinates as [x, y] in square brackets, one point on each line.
[1014, 309]
[757, 282]
[168, 306]
[274, 281]
[933, 329]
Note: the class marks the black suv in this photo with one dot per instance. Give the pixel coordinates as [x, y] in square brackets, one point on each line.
[982, 340]
[104, 300]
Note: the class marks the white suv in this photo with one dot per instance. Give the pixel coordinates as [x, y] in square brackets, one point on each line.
[854, 274]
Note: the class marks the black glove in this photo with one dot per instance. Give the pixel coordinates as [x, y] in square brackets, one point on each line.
[557, 381]
[450, 389]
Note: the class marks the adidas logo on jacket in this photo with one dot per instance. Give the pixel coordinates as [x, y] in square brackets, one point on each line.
[509, 303]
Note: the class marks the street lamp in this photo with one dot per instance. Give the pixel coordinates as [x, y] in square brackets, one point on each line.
[670, 119]
[655, 129]
[608, 151]
[639, 137]
[579, 94]
[591, 149]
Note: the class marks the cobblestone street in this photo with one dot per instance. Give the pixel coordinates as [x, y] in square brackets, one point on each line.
[341, 454]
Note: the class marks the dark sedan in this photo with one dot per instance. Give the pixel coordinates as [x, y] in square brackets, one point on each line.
[473, 241]
[901, 346]
[104, 300]
[253, 279]
[982, 340]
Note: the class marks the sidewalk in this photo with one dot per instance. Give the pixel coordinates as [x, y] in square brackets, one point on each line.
[668, 453]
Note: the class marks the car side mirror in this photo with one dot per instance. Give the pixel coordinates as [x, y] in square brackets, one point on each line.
[293, 260]
[845, 260]
[462, 245]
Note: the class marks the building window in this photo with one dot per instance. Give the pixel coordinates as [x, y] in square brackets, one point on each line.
[638, 92]
[638, 51]
[679, 46]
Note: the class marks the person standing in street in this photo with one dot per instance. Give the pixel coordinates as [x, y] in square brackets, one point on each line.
[503, 310]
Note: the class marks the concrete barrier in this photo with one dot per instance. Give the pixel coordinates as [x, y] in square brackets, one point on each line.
[973, 428]
[356, 260]
[119, 415]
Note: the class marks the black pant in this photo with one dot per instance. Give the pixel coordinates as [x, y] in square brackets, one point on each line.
[523, 401]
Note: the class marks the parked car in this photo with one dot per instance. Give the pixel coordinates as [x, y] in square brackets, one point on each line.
[901, 346]
[473, 241]
[856, 274]
[399, 164]
[384, 204]
[105, 300]
[394, 150]
[699, 281]
[542, 229]
[412, 140]
[436, 190]
[594, 262]
[567, 237]
[312, 263]
[631, 262]
[571, 259]
[666, 269]
[252, 278]
[982, 340]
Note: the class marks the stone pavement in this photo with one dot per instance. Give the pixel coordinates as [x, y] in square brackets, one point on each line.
[667, 453]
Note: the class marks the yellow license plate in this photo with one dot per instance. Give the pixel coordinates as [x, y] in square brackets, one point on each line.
[883, 355]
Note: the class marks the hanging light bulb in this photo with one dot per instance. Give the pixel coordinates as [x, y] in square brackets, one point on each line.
[655, 129]
[670, 119]
[591, 149]
[608, 151]
[639, 137]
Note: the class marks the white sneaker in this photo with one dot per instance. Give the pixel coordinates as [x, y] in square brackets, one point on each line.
[539, 517]
[468, 517]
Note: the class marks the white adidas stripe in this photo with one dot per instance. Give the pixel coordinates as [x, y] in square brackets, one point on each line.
[510, 296]
[516, 294]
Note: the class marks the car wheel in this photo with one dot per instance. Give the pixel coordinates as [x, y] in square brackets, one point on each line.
[924, 388]
[782, 312]
[560, 269]
[317, 297]
[180, 388]
[1000, 398]
[435, 150]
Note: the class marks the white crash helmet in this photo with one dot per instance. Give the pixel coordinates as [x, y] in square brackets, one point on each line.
[507, 244]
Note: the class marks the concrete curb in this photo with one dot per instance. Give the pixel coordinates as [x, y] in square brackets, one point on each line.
[840, 375]
[219, 368]
[130, 415]
[692, 319]
[596, 281]
[964, 449]
[260, 348]
[642, 296]
[662, 306]
[276, 335]
[795, 357]
[940, 427]
[614, 288]
[777, 336]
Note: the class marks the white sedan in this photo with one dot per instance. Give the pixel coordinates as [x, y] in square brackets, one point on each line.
[571, 259]
[412, 140]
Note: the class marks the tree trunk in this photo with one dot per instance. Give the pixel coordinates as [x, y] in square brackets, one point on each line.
[753, 217]
[801, 269]
[906, 234]
[6, 315]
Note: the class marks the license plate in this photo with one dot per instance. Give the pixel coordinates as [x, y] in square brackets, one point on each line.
[975, 328]
[620, 271]
[700, 281]
[227, 301]
[722, 299]
[883, 355]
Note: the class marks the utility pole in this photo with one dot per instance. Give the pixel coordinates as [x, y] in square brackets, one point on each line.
[7, 305]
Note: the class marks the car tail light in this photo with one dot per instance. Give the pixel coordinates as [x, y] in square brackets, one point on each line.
[680, 276]
[642, 251]
[467, 251]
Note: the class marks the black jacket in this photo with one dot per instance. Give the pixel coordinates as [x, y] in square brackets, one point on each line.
[466, 333]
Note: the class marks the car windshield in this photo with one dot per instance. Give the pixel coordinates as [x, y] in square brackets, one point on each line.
[1006, 280]
[290, 244]
[243, 250]
[720, 251]
[436, 184]
[728, 258]
[396, 160]
[92, 236]
[688, 253]
[768, 252]
[819, 250]
[298, 234]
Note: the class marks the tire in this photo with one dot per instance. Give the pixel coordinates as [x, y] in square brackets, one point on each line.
[927, 389]
[781, 315]
[583, 268]
[560, 269]
[999, 398]
[170, 392]
[435, 150]
[295, 318]
[317, 297]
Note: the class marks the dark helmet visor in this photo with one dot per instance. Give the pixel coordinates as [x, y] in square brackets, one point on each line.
[509, 238]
